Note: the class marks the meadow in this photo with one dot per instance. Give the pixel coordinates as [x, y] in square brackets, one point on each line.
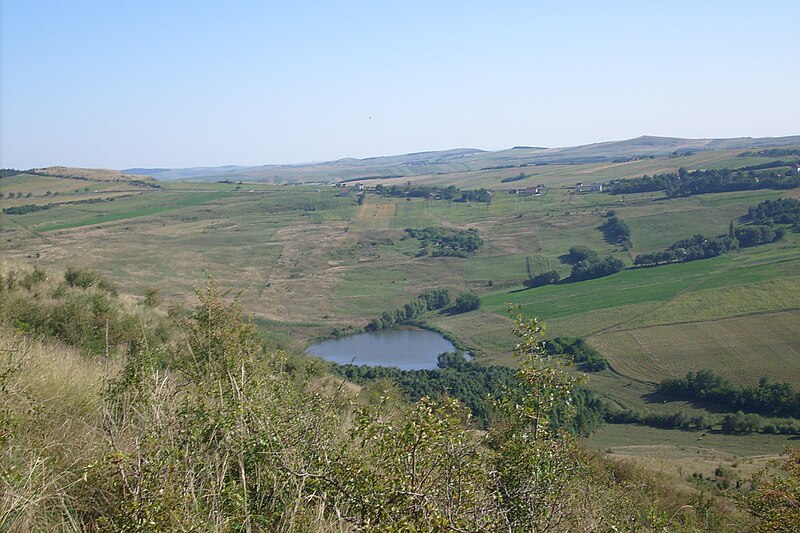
[309, 259]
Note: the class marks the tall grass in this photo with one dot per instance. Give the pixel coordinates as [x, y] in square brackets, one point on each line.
[210, 431]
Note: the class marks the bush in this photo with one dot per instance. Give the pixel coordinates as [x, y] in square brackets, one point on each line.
[581, 253]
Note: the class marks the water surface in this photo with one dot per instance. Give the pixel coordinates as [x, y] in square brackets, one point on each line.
[407, 349]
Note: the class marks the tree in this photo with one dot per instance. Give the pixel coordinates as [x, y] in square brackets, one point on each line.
[467, 302]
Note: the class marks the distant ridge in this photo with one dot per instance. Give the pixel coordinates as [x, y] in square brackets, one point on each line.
[460, 160]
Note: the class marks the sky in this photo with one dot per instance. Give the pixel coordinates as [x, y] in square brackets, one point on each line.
[195, 83]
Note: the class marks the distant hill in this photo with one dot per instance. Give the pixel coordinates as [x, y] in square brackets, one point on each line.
[92, 174]
[461, 160]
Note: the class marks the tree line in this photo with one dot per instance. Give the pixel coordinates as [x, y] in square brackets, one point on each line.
[768, 398]
[774, 175]
[692, 249]
[451, 193]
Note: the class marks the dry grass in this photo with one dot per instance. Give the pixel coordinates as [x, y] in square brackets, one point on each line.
[51, 413]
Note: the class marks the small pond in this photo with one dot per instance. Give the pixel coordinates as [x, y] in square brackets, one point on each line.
[407, 349]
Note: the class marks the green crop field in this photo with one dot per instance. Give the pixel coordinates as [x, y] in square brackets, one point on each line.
[741, 349]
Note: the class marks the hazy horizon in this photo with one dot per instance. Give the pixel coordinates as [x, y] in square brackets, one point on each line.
[186, 84]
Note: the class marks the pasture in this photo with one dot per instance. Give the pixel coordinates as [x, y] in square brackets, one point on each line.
[309, 260]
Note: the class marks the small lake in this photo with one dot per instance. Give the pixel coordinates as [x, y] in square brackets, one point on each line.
[407, 349]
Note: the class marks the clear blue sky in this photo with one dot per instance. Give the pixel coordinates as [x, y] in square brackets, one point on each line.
[175, 84]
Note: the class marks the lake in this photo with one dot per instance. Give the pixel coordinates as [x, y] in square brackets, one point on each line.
[407, 349]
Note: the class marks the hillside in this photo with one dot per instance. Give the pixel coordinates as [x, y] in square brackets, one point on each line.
[315, 262]
[184, 421]
[463, 161]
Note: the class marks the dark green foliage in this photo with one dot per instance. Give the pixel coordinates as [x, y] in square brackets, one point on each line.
[474, 385]
[466, 302]
[436, 298]
[678, 420]
[583, 270]
[740, 423]
[9, 172]
[411, 312]
[581, 253]
[697, 247]
[419, 191]
[780, 211]
[476, 195]
[616, 231]
[755, 235]
[451, 193]
[771, 152]
[768, 398]
[438, 242]
[519, 177]
[545, 278]
[584, 356]
[773, 175]
[25, 209]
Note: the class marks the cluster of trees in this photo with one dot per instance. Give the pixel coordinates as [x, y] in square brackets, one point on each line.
[768, 398]
[692, 249]
[412, 311]
[24, 209]
[451, 193]
[519, 177]
[438, 242]
[753, 235]
[773, 175]
[9, 172]
[475, 195]
[678, 420]
[470, 383]
[581, 253]
[780, 211]
[771, 152]
[616, 230]
[587, 264]
[436, 298]
[595, 268]
[477, 387]
[578, 350]
[418, 191]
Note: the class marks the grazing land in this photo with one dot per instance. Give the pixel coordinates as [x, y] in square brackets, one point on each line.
[311, 258]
